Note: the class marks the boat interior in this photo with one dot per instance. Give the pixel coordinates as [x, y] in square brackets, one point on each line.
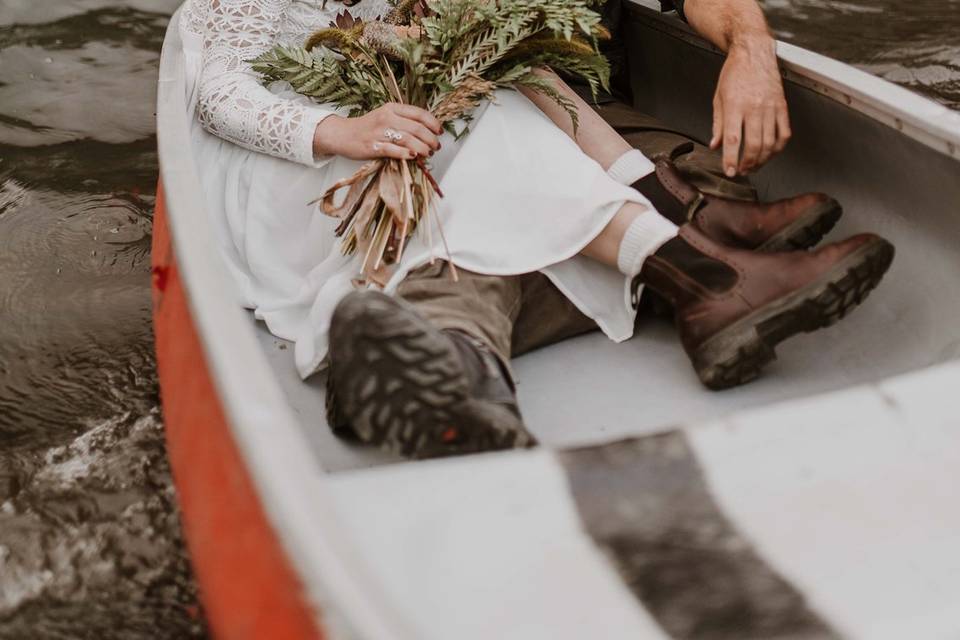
[833, 470]
[588, 389]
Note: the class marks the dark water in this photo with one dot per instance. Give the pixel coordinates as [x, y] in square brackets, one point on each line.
[915, 43]
[90, 545]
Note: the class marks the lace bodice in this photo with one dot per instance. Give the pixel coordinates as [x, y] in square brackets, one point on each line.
[232, 103]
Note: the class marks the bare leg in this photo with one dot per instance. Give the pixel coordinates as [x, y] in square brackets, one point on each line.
[602, 143]
[597, 138]
[605, 247]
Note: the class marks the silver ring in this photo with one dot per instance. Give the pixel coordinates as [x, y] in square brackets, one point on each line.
[393, 136]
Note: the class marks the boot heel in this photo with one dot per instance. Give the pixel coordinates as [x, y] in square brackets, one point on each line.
[731, 360]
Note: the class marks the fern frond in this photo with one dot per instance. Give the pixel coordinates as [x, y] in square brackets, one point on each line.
[545, 86]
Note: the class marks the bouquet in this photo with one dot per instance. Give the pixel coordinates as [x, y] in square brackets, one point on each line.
[445, 56]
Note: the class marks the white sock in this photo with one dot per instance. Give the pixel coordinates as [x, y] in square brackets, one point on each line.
[644, 236]
[630, 167]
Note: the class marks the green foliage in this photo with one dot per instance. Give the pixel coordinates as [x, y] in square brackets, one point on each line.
[501, 41]
[324, 77]
[463, 51]
[545, 86]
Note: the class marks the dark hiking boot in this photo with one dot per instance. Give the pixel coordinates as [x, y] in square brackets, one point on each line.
[401, 383]
[785, 225]
[733, 307]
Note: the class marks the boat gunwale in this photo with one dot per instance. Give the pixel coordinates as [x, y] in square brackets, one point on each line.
[916, 116]
[267, 433]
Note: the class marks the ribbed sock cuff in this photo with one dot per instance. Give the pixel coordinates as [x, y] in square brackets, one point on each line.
[630, 167]
[643, 237]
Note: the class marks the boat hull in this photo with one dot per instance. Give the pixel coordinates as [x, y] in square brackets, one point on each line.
[248, 586]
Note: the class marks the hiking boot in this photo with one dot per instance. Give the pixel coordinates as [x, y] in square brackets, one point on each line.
[399, 382]
[732, 307]
[785, 225]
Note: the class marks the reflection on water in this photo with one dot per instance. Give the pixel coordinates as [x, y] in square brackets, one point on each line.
[90, 544]
[915, 43]
[89, 540]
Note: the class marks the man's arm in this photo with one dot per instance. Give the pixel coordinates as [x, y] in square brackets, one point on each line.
[749, 106]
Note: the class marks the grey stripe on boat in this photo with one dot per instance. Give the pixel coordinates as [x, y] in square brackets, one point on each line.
[646, 503]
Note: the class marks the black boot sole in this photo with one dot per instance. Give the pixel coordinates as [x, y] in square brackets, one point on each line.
[737, 354]
[807, 230]
[399, 383]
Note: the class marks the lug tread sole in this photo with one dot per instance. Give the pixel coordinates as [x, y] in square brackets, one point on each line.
[737, 354]
[807, 231]
[399, 383]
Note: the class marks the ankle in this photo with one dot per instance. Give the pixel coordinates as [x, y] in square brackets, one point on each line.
[645, 235]
[662, 200]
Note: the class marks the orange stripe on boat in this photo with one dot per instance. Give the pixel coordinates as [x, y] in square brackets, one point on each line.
[248, 586]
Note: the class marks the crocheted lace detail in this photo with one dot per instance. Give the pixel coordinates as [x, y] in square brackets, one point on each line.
[232, 103]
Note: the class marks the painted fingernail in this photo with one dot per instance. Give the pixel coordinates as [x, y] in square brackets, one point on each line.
[731, 172]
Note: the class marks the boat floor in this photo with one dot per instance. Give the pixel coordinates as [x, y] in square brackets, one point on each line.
[589, 389]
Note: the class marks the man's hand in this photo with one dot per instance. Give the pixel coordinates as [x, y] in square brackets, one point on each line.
[749, 109]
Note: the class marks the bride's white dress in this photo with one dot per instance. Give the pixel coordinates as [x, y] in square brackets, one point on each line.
[520, 196]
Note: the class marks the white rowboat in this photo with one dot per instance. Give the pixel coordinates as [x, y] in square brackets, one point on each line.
[819, 501]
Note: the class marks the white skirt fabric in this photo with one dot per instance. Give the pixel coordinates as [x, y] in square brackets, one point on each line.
[519, 196]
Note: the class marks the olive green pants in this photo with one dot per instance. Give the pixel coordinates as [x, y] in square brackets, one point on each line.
[516, 314]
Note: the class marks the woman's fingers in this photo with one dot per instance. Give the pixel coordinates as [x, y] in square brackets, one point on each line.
[403, 138]
[391, 150]
[415, 130]
[417, 114]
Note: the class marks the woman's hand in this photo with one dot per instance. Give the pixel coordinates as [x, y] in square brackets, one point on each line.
[394, 130]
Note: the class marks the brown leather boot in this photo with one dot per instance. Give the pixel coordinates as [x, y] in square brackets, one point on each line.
[734, 306]
[785, 225]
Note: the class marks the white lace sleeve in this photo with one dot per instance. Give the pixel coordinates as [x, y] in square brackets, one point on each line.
[232, 102]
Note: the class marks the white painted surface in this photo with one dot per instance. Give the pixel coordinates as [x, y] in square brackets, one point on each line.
[855, 502]
[270, 439]
[487, 547]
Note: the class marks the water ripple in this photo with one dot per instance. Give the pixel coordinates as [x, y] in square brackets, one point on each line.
[90, 544]
[915, 44]
[95, 524]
